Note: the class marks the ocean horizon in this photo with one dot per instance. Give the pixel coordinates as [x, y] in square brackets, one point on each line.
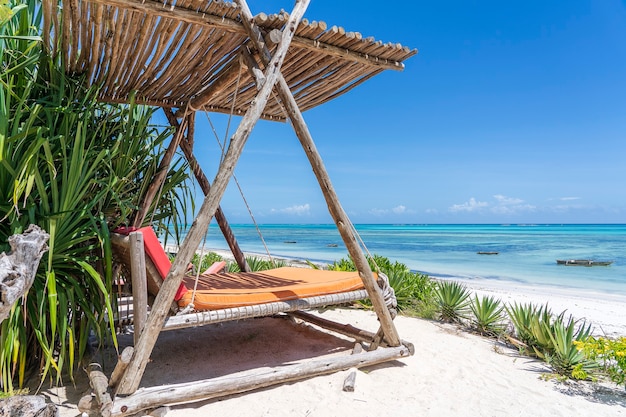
[526, 253]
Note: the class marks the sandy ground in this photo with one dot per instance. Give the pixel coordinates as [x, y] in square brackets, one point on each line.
[453, 373]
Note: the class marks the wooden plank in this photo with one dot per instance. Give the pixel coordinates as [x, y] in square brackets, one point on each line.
[248, 380]
[143, 348]
[139, 282]
[336, 210]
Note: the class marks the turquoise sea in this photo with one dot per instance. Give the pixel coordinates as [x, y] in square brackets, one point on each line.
[527, 254]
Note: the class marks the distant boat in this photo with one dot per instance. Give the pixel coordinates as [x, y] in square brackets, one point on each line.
[583, 262]
[487, 253]
[290, 241]
[332, 245]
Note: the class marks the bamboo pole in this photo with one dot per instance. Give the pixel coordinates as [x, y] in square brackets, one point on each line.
[247, 381]
[154, 325]
[332, 200]
[187, 147]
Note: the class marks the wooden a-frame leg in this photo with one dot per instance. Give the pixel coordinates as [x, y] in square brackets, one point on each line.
[154, 325]
[336, 210]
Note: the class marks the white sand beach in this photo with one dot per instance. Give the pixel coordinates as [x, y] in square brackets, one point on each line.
[453, 372]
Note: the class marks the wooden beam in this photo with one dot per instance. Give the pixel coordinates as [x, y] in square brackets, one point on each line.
[187, 147]
[182, 14]
[247, 381]
[159, 176]
[143, 349]
[139, 282]
[334, 206]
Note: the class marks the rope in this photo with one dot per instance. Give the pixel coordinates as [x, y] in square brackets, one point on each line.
[223, 150]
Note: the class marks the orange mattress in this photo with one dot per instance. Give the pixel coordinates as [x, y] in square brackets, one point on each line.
[217, 291]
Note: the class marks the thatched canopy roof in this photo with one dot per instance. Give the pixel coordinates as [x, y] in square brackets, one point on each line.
[171, 54]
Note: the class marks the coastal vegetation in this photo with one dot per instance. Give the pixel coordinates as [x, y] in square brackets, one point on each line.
[565, 344]
[77, 168]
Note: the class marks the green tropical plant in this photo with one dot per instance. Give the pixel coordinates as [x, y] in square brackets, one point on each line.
[414, 291]
[610, 354]
[77, 168]
[565, 357]
[487, 316]
[257, 263]
[532, 326]
[453, 300]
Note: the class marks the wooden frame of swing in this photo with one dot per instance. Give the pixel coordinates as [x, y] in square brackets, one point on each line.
[127, 375]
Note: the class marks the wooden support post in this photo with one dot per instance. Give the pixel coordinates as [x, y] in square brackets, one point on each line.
[139, 282]
[100, 386]
[154, 325]
[334, 207]
[359, 335]
[161, 173]
[120, 367]
[187, 148]
[247, 380]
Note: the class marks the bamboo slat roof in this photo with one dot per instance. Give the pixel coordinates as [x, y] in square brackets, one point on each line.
[171, 53]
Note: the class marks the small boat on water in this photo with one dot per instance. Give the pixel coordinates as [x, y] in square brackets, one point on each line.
[487, 253]
[583, 262]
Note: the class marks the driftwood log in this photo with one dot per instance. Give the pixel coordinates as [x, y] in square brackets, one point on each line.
[18, 268]
[27, 406]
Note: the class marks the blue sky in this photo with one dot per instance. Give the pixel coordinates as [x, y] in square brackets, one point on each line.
[511, 112]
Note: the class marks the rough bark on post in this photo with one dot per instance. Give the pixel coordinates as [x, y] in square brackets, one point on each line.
[143, 349]
[18, 268]
[334, 206]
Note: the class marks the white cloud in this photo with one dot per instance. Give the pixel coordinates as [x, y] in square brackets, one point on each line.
[295, 210]
[400, 209]
[569, 198]
[469, 206]
[507, 201]
[501, 205]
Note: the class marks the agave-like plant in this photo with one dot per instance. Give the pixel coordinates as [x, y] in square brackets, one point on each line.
[453, 300]
[530, 322]
[565, 357]
[487, 316]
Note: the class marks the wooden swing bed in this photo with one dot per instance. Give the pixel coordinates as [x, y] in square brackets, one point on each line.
[197, 55]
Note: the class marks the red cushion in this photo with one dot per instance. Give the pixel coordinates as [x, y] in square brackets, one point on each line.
[156, 253]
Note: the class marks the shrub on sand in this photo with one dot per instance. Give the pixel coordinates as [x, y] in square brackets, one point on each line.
[488, 318]
[565, 357]
[452, 300]
[610, 354]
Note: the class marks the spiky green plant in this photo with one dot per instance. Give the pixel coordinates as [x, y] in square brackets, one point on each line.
[487, 316]
[415, 292]
[565, 357]
[257, 263]
[75, 167]
[453, 300]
